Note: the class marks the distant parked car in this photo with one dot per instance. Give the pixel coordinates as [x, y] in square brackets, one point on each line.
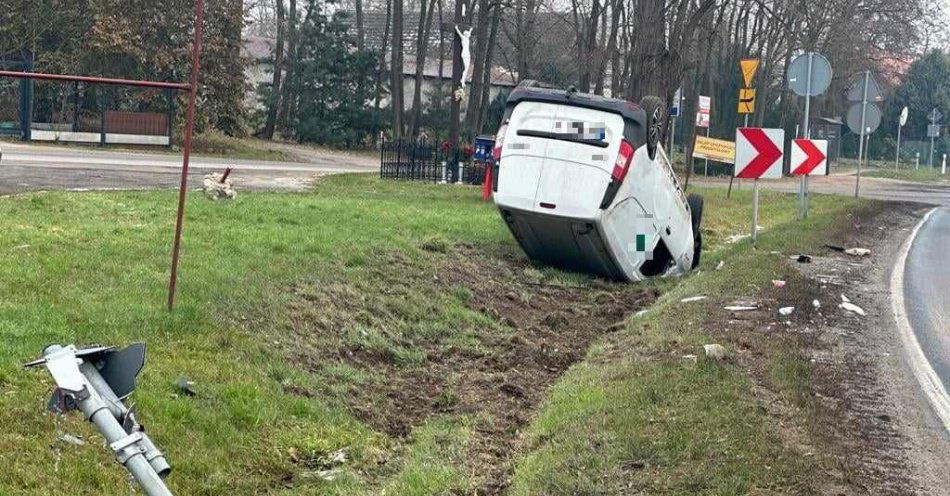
[583, 183]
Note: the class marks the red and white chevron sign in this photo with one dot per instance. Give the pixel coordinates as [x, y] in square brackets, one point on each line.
[759, 153]
[809, 157]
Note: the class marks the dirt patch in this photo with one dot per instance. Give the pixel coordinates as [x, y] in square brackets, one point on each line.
[495, 368]
[852, 386]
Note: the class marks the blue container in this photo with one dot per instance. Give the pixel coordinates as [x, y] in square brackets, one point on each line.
[483, 148]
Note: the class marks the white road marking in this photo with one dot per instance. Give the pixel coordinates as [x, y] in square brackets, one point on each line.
[930, 383]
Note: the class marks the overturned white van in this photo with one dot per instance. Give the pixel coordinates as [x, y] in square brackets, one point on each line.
[583, 184]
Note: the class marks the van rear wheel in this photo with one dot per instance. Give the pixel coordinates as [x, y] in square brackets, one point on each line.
[656, 122]
[695, 203]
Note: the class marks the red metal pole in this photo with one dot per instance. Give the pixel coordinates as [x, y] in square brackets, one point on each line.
[93, 80]
[186, 153]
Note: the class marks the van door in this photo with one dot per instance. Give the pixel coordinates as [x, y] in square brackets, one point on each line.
[578, 161]
[523, 154]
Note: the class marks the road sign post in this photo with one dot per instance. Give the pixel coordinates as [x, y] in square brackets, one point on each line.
[758, 155]
[933, 130]
[900, 125]
[703, 120]
[808, 75]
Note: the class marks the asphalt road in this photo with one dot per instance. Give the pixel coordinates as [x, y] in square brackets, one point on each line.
[871, 187]
[926, 295]
[30, 167]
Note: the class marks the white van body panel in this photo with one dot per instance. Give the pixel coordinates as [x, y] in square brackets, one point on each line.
[550, 191]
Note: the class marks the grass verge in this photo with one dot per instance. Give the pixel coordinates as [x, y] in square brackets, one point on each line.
[638, 418]
[280, 292]
[922, 175]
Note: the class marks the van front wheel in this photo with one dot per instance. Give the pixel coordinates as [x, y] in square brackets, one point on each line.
[696, 216]
[656, 122]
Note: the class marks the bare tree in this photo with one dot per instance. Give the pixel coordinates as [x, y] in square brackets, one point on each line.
[395, 71]
[422, 45]
[274, 103]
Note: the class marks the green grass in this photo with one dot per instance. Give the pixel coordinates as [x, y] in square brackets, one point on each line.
[661, 424]
[84, 268]
[92, 267]
[924, 174]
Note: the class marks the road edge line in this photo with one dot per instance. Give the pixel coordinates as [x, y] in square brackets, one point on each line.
[930, 383]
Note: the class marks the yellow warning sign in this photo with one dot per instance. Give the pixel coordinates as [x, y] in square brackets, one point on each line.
[715, 149]
[747, 101]
[749, 68]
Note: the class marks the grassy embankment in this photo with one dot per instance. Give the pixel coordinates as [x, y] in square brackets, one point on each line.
[92, 267]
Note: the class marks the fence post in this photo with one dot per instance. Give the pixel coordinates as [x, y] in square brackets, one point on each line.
[171, 115]
[102, 119]
[382, 158]
[26, 99]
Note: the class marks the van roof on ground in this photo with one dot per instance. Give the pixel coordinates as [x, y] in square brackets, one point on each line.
[626, 109]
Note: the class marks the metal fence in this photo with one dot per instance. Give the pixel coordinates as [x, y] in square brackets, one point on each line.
[423, 160]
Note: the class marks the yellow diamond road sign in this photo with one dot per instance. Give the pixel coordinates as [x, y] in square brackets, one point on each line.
[747, 101]
[749, 68]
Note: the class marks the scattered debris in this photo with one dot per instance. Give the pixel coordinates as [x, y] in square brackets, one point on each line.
[329, 475]
[715, 351]
[71, 439]
[835, 247]
[720, 265]
[786, 310]
[851, 307]
[740, 308]
[778, 283]
[338, 457]
[735, 238]
[692, 299]
[845, 298]
[816, 304]
[186, 386]
[858, 252]
[217, 186]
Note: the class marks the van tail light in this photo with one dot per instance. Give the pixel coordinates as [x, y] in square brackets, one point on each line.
[622, 164]
[621, 167]
[499, 143]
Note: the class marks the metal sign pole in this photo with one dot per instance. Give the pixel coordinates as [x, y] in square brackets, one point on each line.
[672, 139]
[706, 165]
[864, 111]
[930, 161]
[897, 158]
[755, 210]
[186, 152]
[803, 184]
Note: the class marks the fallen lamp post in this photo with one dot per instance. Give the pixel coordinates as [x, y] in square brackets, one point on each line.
[95, 381]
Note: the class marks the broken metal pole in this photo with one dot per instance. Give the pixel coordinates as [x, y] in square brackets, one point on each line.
[94, 381]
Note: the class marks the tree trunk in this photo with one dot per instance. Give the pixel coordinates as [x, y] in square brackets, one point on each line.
[479, 66]
[486, 74]
[455, 108]
[612, 54]
[285, 116]
[360, 30]
[382, 58]
[422, 45]
[274, 103]
[395, 72]
[590, 45]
